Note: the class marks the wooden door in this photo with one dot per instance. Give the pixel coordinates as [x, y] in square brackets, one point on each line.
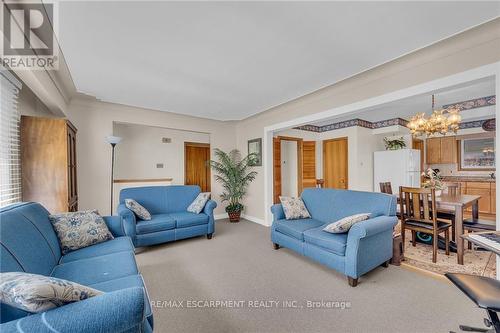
[308, 164]
[419, 145]
[433, 151]
[276, 170]
[197, 165]
[335, 163]
[448, 150]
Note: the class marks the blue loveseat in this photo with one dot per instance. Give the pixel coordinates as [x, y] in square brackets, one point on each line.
[367, 245]
[170, 219]
[28, 243]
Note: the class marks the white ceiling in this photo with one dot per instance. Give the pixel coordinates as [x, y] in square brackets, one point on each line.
[408, 107]
[230, 60]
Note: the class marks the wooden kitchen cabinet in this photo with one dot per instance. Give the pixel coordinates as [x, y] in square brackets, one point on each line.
[486, 190]
[493, 196]
[441, 150]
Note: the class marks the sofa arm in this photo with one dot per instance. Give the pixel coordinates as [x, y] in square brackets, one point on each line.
[128, 221]
[117, 311]
[209, 207]
[115, 225]
[209, 210]
[369, 244]
[278, 213]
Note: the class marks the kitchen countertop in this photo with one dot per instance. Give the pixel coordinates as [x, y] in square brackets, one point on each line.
[468, 179]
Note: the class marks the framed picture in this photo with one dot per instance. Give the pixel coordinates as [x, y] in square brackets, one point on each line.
[255, 147]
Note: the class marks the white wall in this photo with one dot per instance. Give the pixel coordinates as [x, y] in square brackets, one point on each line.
[94, 121]
[142, 149]
[289, 170]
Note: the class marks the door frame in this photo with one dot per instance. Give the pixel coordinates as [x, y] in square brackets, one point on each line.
[422, 154]
[347, 157]
[300, 147]
[203, 145]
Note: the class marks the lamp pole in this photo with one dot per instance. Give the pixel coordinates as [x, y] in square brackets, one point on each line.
[113, 141]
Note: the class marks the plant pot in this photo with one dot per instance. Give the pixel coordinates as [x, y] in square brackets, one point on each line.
[234, 216]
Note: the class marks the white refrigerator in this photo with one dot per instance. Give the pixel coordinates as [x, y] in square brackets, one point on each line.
[400, 167]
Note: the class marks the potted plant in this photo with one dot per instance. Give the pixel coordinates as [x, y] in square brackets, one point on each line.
[394, 144]
[232, 171]
[433, 180]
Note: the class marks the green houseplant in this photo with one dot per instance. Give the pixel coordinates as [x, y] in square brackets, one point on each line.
[232, 172]
[394, 144]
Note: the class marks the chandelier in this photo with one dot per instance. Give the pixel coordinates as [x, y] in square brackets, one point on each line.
[440, 122]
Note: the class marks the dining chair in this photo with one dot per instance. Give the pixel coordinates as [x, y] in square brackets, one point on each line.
[416, 206]
[452, 188]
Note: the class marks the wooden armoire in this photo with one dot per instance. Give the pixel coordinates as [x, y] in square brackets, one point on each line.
[48, 163]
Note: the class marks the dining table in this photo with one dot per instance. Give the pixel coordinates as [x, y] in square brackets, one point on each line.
[456, 204]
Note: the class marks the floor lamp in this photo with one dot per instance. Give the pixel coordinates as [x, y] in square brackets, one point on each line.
[113, 141]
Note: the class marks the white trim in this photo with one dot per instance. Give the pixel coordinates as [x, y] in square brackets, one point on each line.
[254, 219]
[497, 143]
[10, 77]
[220, 217]
[455, 79]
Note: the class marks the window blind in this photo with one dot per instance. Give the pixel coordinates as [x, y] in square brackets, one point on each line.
[10, 164]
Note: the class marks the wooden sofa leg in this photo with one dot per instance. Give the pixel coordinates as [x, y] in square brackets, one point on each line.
[276, 246]
[352, 281]
[209, 236]
[386, 264]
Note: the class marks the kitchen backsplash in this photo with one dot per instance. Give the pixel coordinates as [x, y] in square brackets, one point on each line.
[452, 170]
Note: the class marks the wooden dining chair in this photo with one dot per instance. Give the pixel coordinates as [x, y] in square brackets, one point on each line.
[416, 206]
[386, 187]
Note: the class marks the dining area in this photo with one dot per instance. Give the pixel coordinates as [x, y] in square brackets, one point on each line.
[435, 221]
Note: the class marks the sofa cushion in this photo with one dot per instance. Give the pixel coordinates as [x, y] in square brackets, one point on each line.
[295, 228]
[187, 219]
[123, 283]
[98, 269]
[158, 222]
[199, 203]
[38, 293]
[118, 244]
[138, 210]
[335, 243]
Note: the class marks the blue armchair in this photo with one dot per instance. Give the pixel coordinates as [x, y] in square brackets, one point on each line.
[170, 219]
[30, 244]
[367, 245]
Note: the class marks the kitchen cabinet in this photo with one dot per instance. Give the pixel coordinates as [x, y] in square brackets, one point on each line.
[487, 203]
[441, 150]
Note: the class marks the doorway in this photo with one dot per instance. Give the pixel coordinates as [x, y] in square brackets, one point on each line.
[287, 167]
[419, 145]
[197, 165]
[335, 163]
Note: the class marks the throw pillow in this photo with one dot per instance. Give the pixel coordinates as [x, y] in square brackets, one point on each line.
[138, 210]
[79, 229]
[294, 208]
[37, 293]
[343, 225]
[199, 203]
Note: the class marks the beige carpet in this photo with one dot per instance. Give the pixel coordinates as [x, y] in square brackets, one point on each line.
[239, 264]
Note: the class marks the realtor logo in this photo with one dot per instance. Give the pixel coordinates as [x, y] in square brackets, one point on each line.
[28, 36]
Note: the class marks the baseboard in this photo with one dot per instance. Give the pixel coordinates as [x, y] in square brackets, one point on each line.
[244, 216]
[254, 219]
[220, 217]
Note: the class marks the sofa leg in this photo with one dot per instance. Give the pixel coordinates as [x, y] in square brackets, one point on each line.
[276, 246]
[209, 236]
[386, 264]
[352, 281]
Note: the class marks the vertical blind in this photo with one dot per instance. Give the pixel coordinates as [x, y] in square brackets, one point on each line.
[10, 164]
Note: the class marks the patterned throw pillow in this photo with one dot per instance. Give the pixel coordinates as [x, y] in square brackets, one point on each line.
[294, 208]
[138, 210]
[37, 293]
[343, 225]
[79, 229]
[199, 203]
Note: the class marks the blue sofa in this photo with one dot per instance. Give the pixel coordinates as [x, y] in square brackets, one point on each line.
[170, 219]
[28, 243]
[367, 245]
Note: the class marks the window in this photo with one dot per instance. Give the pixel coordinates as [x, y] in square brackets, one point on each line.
[477, 154]
[10, 171]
